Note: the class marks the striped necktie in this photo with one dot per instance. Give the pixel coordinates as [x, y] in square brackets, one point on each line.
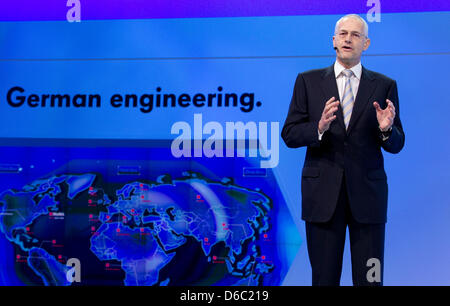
[347, 100]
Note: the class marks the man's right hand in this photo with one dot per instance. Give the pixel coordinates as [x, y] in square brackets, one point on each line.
[331, 106]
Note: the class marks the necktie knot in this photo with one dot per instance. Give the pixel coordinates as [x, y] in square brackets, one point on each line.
[347, 72]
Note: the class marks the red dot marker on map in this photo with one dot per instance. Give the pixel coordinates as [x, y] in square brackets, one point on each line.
[18, 256]
[54, 241]
[214, 257]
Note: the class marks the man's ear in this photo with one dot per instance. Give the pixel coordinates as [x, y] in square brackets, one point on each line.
[334, 37]
[366, 44]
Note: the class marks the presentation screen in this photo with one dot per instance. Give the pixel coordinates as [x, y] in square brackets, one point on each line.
[140, 141]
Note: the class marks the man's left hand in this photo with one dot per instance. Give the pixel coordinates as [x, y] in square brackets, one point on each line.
[385, 116]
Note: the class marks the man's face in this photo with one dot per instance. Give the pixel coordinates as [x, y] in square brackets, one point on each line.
[350, 41]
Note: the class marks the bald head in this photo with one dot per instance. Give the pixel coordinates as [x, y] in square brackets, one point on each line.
[365, 26]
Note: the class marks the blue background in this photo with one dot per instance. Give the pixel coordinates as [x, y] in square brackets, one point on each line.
[252, 54]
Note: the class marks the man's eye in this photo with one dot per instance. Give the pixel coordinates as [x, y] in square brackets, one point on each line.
[357, 35]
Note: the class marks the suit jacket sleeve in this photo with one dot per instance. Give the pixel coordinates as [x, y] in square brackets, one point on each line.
[396, 140]
[298, 129]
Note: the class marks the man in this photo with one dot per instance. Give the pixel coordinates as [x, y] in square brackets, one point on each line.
[344, 115]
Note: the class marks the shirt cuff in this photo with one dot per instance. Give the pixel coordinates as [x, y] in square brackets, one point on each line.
[320, 134]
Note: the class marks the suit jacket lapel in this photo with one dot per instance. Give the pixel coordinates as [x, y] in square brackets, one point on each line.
[329, 88]
[365, 90]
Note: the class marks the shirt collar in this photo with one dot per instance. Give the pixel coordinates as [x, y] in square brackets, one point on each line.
[357, 69]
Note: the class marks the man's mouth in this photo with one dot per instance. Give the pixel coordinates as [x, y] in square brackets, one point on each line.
[347, 48]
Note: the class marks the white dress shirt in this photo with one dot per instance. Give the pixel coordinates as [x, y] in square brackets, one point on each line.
[340, 81]
[354, 79]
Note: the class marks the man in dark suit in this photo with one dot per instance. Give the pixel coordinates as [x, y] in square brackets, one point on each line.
[344, 115]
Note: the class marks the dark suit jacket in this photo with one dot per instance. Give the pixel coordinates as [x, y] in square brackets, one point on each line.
[354, 154]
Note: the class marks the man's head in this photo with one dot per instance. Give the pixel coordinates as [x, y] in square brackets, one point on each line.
[351, 39]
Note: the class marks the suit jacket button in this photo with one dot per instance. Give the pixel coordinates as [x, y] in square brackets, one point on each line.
[345, 143]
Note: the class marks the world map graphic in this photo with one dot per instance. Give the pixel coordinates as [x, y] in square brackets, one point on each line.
[187, 229]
